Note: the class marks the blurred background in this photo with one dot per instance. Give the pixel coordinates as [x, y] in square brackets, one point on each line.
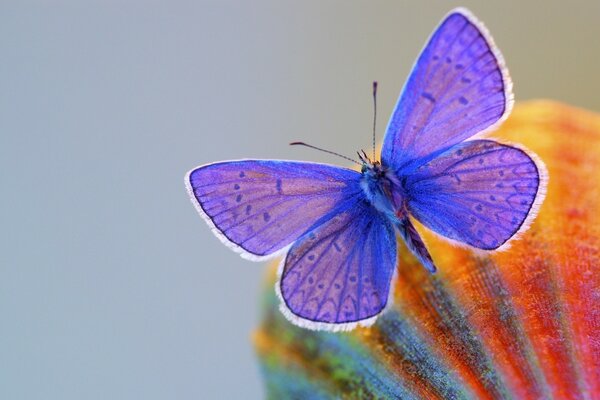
[111, 286]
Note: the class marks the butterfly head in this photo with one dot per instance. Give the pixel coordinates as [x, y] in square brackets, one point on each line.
[373, 170]
[370, 168]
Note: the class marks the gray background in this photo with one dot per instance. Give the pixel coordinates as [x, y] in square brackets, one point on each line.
[111, 286]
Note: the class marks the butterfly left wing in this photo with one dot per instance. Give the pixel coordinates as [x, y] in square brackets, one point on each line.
[258, 207]
[458, 87]
[338, 275]
[479, 192]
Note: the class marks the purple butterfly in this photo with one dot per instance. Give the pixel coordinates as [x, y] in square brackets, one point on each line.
[337, 226]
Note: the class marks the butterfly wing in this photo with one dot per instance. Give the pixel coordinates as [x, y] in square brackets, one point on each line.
[338, 275]
[480, 192]
[258, 207]
[458, 87]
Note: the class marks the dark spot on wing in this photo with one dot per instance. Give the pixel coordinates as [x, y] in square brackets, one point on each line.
[479, 207]
[311, 257]
[464, 79]
[462, 100]
[352, 278]
[435, 58]
[501, 173]
[266, 217]
[236, 186]
[242, 174]
[428, 96]
[311, 280]
[448, 60]
[278, 186]
[337, 247]
[248, 208]
[492, 197]
[238, 198]
[459, 66]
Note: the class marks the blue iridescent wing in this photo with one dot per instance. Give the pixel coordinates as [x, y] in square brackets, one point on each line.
[479, 192]
[258, 207]
[458, 87]
[338, 275]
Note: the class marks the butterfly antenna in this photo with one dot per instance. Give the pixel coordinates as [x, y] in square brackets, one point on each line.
[366, 157]
[374, 114]
[325, 151]
[361, 158]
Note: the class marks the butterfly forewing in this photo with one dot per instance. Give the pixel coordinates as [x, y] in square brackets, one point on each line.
[458, 88]
[480, 192]
[261, 206]
[340, 273]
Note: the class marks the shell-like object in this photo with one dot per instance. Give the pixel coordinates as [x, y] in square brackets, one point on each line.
[519, 324]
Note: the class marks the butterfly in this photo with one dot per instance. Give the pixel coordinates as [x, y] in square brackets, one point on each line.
[336, 227]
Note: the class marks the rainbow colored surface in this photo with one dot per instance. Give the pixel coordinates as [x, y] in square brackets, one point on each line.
[523, 323]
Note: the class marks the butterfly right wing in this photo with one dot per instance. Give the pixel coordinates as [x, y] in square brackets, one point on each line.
[338, 275]
[458, 87]
[480, 192]
[258, 207]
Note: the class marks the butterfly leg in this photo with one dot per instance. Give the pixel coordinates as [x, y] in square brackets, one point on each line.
[415, 243]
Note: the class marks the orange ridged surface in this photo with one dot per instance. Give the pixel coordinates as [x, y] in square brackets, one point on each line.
[523, 323]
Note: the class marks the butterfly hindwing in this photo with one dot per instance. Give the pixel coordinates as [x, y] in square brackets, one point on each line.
[479, 192]
[457, 88]
[340, 273]
[259, 206]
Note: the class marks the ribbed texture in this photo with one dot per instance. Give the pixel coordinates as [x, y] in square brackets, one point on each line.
[522, 324]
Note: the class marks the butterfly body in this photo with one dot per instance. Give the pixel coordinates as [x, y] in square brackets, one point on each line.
[337, 227]
[382, 189]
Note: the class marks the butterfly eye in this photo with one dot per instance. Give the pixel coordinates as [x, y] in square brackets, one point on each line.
[363, 169]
